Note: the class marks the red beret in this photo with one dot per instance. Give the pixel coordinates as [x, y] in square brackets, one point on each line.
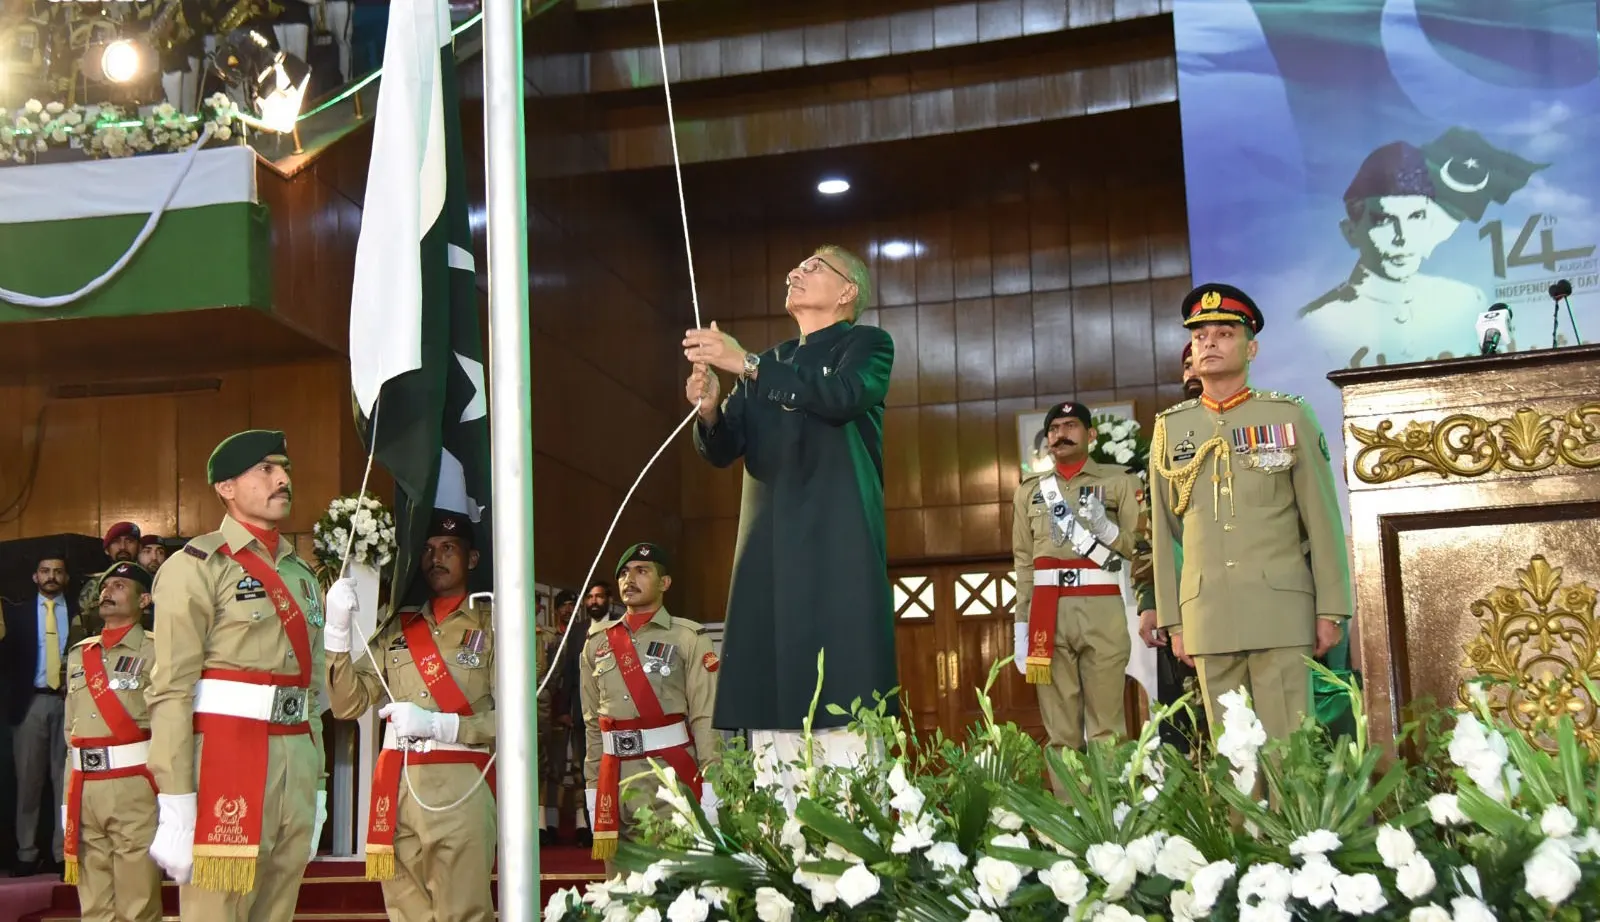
[121, 530]
[1188, 350]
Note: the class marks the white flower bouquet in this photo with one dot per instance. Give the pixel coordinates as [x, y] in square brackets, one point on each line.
[369, 520]
[107, 131]
[1118, 441]
[1300, 829]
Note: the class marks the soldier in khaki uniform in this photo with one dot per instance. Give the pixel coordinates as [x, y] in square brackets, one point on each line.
[235, 748]
[1241, 480]
[122, 543]
[649, 682]
[110, 809]
[1072, 529]
[438, 661]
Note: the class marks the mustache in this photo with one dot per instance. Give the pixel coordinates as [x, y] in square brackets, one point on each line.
[286, 493]
[1060, 442]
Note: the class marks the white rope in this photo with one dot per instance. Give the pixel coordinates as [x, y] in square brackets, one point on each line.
[95, 284]
[677, 165]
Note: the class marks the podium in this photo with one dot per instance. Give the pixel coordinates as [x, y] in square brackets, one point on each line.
[1475, 524]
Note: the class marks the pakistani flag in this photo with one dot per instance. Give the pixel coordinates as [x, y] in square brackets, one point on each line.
[416, 355]
[1468, 173]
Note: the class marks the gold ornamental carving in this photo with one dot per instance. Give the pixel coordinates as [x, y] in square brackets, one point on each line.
[1537, 642]
[1463, 445]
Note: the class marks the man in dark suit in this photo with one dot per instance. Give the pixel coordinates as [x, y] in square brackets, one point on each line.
[39, 630]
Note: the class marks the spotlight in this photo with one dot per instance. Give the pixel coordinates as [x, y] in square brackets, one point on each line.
[899, 249]
[833, 186]
[274, 81]
[121, 61]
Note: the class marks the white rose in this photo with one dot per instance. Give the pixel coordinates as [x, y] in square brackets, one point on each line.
[1446, 810]
[1144, 850]
[1551, 873]
[1358, 894]
[1114, 913]
[1208, 883]
[996, 880]
[559, 902]
[1005, 819]
[1429, 913]
[1415, 879]
[33, 107]
[946, 857]
[1010, 840]
[689, 907]
[1179, 860]
[773, 906]
[650, 914]
[821, 887]
[1314, 881]
[1467, 909]
[1316, 842]
[1111, 863]
[1557, 822]
[1395, 846]
[855, 886]
[1069, 884]
[979, 915]
[1267, 883]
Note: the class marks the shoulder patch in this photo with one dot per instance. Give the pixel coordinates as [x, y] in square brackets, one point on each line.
[1182, 405]
[195, 552]
[1280, 396]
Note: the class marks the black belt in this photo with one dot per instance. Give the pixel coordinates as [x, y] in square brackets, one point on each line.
[46, 690]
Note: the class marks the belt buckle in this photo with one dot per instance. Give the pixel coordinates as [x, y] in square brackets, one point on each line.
[1069, 578]
[95, 759]
[288, 705]
[628, 742]
[413, 744]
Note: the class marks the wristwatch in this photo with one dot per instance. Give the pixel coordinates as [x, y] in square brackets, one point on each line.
[752, 365]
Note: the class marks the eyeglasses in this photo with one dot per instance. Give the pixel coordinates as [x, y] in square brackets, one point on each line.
[811, 265]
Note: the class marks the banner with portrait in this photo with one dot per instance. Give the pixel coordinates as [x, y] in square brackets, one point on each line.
[1377, 173]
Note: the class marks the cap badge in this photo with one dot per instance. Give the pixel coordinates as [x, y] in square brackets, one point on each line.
[644, 551]
[1211, 300]
[448, 524]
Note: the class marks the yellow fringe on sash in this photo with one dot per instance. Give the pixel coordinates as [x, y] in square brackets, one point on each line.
[605, 846]
[224, 874]
[69, 874]
[380, 862]
[1038, 670]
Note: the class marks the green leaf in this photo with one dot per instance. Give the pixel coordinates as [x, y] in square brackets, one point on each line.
[1570, 757]
[1027, 857]
[836, 710]
[839, 830]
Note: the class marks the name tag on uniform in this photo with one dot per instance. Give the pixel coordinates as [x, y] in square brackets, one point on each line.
[473, 644]
[398, 643]
[1183, 451]
[658, 657]
[248, 589]
[1268, 448]
[125, 673]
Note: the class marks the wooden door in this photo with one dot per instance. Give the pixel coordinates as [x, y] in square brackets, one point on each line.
[952, 623]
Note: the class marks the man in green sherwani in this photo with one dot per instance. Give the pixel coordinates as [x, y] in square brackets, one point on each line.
[810, 567]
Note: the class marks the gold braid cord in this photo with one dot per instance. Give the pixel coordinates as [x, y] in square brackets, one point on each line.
[1182, 479]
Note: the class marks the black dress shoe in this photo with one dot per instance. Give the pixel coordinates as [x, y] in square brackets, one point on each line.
[585, 838]
[26, 868]
[548, 837]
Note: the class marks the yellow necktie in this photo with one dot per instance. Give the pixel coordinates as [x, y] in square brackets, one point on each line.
[52, 646]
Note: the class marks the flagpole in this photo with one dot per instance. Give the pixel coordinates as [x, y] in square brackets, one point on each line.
[511, 459]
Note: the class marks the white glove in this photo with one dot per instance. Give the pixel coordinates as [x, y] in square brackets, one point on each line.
[341, 607]
[418, 723]
[63, 817]
[1019, 635]
[316, 828]
[589, 797]
[173, 847]
[709, 802]
[1093, 512]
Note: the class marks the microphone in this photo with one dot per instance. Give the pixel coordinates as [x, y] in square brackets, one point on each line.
[1493, 328]
[1561, 289]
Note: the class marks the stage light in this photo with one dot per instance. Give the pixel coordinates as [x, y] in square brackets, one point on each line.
[833, 186]
[121, 61]
[899, 249]
[274, 81]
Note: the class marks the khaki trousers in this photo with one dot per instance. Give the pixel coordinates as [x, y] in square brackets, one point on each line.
[1087, 673]
[443, 859]
[1278, 680]
[288, 813]
[117, 880]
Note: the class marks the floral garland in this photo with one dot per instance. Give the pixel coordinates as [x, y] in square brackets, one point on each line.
[1484, 827]
[1118, 441]
[108, 131]
[373, 525]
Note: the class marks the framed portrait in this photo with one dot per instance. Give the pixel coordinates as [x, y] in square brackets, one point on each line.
[1032, 454]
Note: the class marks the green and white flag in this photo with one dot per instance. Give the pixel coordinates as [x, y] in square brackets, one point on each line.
[416, 352]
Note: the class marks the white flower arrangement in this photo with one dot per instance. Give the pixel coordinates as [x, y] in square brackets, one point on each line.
[372, 524]
[1119, 442]
[108, 131]
[968, 833]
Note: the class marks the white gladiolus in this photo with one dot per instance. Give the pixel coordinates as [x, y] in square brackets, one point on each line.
[1269, 883]
[1359, 894]
[1415, 879]
[1207, 884]
[1313, 882]
[1005, 819]
[1316, 842]
[1446, 810]
[1395, 846]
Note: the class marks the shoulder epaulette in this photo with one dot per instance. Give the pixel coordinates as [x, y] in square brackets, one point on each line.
[86, 641]
[694, 626]
[204, 546]
[599, 627]
[1184, 405]
[1279, 396]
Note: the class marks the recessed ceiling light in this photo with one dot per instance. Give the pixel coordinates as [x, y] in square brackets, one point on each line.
[897, 249]
[833, 186]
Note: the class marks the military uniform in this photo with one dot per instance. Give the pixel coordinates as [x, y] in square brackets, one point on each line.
[89, 595]
[109, 812]
[648, 685]
[1239, 485]
[433, 864]
[1071, 602]
[239, 666]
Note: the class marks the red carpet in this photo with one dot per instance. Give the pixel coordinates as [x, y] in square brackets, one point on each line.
[335, 890]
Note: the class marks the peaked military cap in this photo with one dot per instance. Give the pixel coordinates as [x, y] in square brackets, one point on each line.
[131, 571]
[448, 524]
[1070, 408]
[646, 551]
[1218, 303]
[239, 452]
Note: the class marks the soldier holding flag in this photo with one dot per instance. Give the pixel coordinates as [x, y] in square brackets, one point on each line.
[438, 662]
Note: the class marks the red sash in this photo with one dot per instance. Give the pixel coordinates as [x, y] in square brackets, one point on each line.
[608, 787]
[382, 819]
[123, 731]
[1042, 612]
[233, 759]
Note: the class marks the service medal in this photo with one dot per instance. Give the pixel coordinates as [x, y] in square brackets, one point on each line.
[468, 659]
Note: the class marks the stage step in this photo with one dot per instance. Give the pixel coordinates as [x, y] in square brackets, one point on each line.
[336, 890]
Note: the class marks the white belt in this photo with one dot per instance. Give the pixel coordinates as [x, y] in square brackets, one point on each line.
[636, 744]
[107, 758]
[1070, 578]
[276, 704]
[391, 741]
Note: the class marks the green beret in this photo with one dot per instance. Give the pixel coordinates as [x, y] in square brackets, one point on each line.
[239, 452]
[644, 550]
[131, 571]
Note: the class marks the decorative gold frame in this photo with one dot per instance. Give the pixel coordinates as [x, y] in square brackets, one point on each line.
[1464, 445]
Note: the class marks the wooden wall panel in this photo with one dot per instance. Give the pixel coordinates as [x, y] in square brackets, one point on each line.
[1066, 286]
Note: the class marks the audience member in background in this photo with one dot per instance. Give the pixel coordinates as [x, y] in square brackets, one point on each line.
[122, 543]
[39, 630]
[110, 811]
[152, 553]
[568, 739]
